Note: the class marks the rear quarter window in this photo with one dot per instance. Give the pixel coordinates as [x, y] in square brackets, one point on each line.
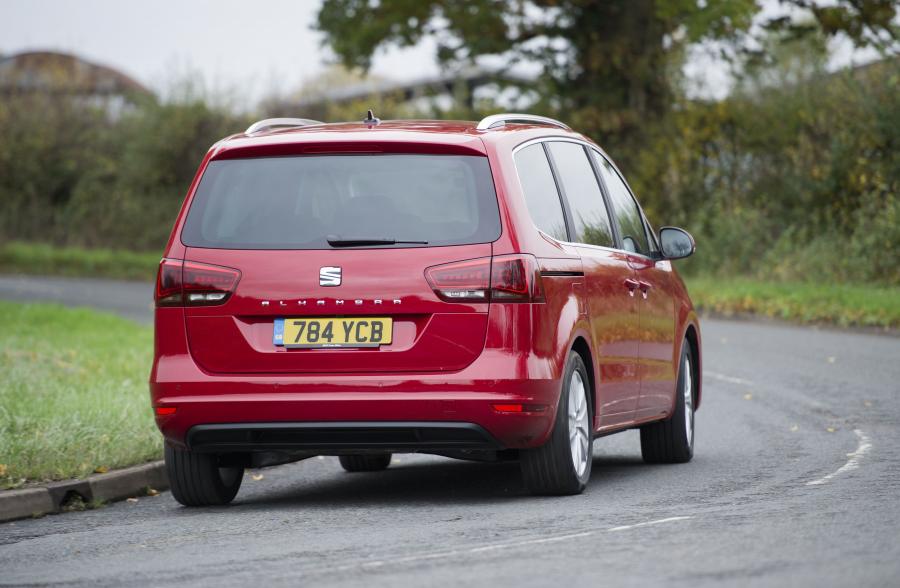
[539, 188]
[299, 202]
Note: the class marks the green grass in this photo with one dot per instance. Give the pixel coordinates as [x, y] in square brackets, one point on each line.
[38, 258]
[73, 393]
[843, 305]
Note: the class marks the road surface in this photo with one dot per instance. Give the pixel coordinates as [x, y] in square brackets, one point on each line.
[795, 482]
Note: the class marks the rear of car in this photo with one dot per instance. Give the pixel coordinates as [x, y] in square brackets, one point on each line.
[417, 286]
[342, 297]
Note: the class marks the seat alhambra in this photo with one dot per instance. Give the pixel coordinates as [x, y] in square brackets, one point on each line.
[486, 291]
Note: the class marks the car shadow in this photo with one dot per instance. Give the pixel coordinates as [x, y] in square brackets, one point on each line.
[410, 484]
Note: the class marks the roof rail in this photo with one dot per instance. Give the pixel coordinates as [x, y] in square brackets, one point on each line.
[275, 123]
[499, 120]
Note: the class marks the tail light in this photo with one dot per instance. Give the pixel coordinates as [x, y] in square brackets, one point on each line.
[504, 278]
[168, 283]
[188, 283]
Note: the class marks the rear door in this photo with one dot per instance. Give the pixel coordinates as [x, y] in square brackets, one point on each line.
[313, 238]
[611, 283]
[657, 364]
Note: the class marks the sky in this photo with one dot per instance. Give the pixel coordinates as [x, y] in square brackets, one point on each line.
[242, 50]
[245, 48]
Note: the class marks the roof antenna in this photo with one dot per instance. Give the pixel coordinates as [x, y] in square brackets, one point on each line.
[371, 120]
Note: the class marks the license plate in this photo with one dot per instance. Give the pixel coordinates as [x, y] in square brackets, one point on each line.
[332, 332]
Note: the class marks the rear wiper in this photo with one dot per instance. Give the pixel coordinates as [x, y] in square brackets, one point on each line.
[336, 241]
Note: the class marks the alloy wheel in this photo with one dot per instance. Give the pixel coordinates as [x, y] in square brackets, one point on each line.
[579, 425]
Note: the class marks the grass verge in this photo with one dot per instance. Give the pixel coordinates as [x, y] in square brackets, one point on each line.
[38, 258]
[73, 396]
[842, 305]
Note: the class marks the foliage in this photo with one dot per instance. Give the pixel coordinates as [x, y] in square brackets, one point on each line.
[604, 62]
[785, 182]
[72, 173]
[73, 398]
[794, 177]
[844, 305]
[42, 259]
[610, 65]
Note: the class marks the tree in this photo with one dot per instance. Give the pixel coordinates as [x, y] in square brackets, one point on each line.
[607, 64]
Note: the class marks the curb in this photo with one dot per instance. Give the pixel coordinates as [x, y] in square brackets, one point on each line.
[110, 487]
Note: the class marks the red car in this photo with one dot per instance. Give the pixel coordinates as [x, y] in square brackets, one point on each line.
[485, 291]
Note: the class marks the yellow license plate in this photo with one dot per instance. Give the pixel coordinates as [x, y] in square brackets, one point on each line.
[363, 331]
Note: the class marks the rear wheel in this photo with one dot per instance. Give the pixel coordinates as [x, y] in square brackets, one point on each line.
[197, 480]
[563, 464]
[365, 463]
[672, 440]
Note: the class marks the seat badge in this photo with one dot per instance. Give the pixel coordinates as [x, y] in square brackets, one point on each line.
[330, 276]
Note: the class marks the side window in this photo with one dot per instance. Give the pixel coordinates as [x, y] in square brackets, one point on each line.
[625, 209]
[540, 191]
[583, 194]
[651, 238]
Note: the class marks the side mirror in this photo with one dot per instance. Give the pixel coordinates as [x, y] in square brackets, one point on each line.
[676, 243]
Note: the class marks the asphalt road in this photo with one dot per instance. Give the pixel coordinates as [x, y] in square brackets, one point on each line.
[795, 482]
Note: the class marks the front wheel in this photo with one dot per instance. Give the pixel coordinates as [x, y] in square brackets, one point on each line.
[197, 480]
[563, 464]
[672, 440]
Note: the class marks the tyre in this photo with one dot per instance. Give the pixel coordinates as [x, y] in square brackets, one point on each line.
[197, 480]
[365, 463]
[672, 440]
[563, 464]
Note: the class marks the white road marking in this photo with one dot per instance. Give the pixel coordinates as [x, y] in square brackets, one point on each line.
[865, 445]
[554, 539]
[647, 524]
[507, 545]
[726, 378]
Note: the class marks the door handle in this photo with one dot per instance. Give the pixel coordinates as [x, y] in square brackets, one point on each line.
[632, 285]
[645, 289]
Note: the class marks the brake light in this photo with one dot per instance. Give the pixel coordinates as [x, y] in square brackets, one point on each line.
[508, 407]
[520, 407]
[168, 283]
[461, 281]
[189, 283]
[505, 278]
[516, 278]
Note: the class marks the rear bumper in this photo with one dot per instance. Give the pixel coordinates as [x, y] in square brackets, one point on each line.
[301, 415]
[500, 375]
[340, 437]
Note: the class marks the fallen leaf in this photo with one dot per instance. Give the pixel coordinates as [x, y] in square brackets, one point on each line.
[794, 428]
[256, 477]
[832, 359]
[131, 500]
[830, 429]
[101, 469]
[152, 492]
[748, 396]
[866, 403]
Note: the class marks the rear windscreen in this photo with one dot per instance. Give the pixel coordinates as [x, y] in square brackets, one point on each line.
[301, 202]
